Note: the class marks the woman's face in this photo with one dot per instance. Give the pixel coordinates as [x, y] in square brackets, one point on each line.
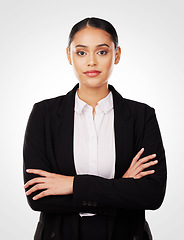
[92, 55]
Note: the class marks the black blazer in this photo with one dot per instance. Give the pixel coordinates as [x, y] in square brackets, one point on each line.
[48, 145]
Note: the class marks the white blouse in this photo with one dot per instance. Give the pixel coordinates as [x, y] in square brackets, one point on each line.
[94, 144]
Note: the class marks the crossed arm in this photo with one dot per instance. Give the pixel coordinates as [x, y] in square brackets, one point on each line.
[137, 189]
[56, 184]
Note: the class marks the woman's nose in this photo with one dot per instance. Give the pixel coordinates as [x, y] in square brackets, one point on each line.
[92, 61]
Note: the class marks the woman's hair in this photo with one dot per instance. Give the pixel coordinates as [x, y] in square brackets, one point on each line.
[96, 23]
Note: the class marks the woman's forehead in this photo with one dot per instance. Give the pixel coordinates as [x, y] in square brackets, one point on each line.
[92, 36]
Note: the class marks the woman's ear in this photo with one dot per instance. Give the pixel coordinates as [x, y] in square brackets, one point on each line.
[117, 55]
[68, 55]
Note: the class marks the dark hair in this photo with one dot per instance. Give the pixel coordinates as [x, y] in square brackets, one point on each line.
[96, 23]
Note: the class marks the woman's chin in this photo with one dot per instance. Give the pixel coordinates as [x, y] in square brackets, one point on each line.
[93, 83]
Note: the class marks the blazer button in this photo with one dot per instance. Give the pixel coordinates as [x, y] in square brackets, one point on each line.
[94, 204]
[53, 235]
[89, 203]
[84, 203]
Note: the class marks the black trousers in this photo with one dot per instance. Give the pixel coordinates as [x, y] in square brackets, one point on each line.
[93, 228]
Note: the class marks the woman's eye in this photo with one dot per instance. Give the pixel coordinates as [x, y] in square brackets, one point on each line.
[81, 53]
[102, 53]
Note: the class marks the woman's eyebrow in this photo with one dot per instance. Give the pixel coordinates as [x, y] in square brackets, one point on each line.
[100, 45]
[103, 44]
[79, 45]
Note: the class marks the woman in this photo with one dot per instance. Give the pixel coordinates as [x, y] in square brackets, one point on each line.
[93, 161]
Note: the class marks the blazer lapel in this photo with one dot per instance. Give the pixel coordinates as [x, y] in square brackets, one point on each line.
[124, 133]
[64, 134]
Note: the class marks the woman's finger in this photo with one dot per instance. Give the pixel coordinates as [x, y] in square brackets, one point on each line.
[38, 172]
[35, 181]
[146, 159]
[140, 162]
[138, 155]
[146, 165]
[42, 194]
[35, 188]
[143, 174]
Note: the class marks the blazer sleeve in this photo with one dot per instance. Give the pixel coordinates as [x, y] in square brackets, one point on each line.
[128, 193]
[35, 157]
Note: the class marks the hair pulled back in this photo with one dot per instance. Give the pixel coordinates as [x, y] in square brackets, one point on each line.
[96, 23]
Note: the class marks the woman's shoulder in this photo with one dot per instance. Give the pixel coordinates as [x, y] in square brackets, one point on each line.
[139, 109]
[136, 105]
[48, 106]
[58, 100]
[133, 105]
[50, 101]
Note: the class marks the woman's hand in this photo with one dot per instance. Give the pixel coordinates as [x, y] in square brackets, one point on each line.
[49, 183]
[136, 168]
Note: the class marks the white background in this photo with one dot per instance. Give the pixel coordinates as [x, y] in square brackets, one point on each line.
[33, 66]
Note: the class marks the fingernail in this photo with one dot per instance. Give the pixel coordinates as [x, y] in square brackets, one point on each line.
[27, 170]
[152, 171]
[34, 198]
[154, 155]
[155, 161]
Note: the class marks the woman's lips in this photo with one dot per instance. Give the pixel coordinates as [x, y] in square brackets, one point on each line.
[92, 73]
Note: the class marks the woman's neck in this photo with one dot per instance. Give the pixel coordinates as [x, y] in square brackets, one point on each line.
[92, 95]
